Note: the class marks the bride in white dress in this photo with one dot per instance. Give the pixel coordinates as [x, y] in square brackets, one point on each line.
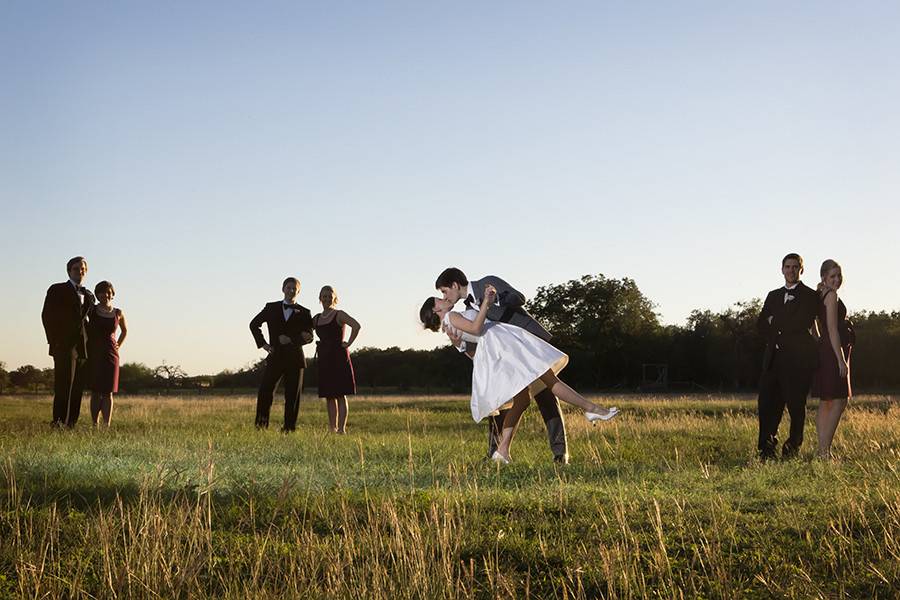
[510, 362]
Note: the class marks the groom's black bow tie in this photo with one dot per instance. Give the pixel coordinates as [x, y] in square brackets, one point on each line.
[291, 306]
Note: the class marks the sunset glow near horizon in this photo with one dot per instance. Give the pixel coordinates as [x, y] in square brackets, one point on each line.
[198, 155]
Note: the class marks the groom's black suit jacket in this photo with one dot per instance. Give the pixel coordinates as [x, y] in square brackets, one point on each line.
[789, 332]
[64, 319]
[272, 315]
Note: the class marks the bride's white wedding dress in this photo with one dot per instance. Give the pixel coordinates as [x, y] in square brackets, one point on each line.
[508, 360]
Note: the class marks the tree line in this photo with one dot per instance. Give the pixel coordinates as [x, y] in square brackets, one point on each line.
[610, 330]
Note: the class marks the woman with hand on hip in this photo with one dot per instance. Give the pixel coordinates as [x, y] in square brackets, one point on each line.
[831, 382]
[335, 369]
[103, 352]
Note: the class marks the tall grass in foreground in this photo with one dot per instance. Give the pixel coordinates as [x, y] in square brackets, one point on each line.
[183, 500]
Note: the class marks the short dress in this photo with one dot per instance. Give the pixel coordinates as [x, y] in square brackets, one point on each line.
[103, 355]
[508, 359]
[335, 369]
[827, 380]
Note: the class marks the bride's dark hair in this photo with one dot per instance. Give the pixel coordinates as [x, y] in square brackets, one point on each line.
[429, 318]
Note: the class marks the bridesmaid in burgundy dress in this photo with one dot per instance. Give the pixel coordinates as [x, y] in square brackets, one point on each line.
[831, 382]
[103, 351]
[336, 380]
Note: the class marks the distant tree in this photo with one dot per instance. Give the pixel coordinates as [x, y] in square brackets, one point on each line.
[721, 349]
[875, 355]
[4, 377]
[169, 375]
[134, 377]
[245, 377]
[26, 376]
[607, 325]
[47, 378]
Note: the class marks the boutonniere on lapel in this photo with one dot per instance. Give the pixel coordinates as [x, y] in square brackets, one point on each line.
[788, 297]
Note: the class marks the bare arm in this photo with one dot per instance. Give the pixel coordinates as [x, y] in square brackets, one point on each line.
[345, 319]
[831, 310]
[123, 329]
[475, 327]
[456, 340]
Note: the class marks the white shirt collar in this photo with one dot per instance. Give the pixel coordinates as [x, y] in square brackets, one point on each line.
[74, 285]
[790, 287]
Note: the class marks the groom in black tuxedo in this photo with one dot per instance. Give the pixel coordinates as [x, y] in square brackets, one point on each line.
[791, 357]
[508, 308]
[64, 316]
[290, 327]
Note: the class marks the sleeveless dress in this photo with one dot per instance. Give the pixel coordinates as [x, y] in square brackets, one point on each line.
[508, 360]
[102, 353]
[336, 376]
[827, 381]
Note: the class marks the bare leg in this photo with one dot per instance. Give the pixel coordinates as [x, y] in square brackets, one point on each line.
[106, 406]
[511, 421]
[95, 408]
[342, 414]
[331, 403]
[827, 419]
[567, 394]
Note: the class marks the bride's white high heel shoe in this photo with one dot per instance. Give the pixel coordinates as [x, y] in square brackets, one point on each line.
[610, 413]
[499, 458]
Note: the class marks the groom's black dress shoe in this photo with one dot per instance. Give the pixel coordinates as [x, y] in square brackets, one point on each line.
[562, 459]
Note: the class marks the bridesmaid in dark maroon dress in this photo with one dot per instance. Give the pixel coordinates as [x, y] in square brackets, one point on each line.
[831, 382]
[103, 351]
[336, 379]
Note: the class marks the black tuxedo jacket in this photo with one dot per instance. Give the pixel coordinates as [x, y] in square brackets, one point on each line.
[272, 315]
[789, 331]
[64, 319]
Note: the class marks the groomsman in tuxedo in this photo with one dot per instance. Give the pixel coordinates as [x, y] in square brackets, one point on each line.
[787, 320]
[64, 316]
[290, 326]
[508, 308]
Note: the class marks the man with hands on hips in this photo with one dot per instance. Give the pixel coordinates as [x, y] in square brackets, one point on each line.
[290, 326]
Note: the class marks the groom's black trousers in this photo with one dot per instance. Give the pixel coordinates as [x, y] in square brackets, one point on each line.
[69, 372]
[287, 364]
[782, 385]
[556, 429]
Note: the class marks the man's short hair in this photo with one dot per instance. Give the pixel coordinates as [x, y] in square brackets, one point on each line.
[289, 280]
[74, 261]
[795, 256]
[450, 276]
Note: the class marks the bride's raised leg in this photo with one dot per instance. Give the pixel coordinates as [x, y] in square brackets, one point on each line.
[511, 422]
[562, 391]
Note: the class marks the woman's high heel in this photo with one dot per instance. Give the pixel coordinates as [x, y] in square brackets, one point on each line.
[610, 413]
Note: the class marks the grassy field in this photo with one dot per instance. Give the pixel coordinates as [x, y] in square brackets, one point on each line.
[182, 498]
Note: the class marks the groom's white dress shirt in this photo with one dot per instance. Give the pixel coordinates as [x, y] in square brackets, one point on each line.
[78, 290]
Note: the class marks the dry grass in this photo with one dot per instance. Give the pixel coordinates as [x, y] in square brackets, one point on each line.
[183, 499]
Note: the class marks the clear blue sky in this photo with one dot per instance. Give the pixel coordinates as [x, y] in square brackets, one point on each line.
[198, 153]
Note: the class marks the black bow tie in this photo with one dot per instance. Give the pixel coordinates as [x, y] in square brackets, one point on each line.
[81, 290]
[291, 306]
